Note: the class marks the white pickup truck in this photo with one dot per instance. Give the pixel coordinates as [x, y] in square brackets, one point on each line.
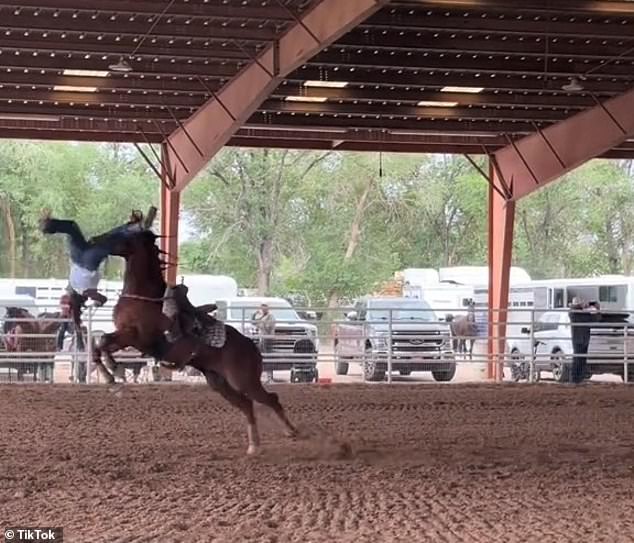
[553, 346]
[415, 339]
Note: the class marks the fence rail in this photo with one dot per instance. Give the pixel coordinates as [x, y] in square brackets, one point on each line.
[375, 346]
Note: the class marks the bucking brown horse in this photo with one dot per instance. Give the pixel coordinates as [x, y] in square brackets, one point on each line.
[234, 370]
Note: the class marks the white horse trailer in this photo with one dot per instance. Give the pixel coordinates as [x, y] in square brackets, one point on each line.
[529, 301]
[205, 289]
[447, 298]
[613, 292]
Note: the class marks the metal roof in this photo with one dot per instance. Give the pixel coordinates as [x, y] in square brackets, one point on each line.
[388, 80]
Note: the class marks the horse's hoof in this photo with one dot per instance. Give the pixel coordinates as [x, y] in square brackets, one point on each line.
[252, 450]
[116, 389]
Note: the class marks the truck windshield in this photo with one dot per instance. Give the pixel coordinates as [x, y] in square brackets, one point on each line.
[400, 312]
[280, 313]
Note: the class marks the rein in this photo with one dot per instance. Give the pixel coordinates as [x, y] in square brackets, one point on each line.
[145, 298]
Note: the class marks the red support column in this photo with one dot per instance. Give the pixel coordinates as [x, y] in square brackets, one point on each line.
[501, 222]
[170, 210]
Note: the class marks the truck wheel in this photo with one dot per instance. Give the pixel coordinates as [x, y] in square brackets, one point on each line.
[559, 367]
[370, 370]
[341, 368]
[444, 376]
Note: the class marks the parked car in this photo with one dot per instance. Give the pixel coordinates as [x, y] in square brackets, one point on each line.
[419, 341]
[295, 345]
[553, 346]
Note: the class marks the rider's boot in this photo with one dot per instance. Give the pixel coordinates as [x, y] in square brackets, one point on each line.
[96, 296]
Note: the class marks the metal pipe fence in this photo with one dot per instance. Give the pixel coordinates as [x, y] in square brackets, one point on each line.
[386, 343]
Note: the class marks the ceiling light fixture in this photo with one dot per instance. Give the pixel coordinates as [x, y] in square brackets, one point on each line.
[27, 117]
[320, 99]
[470, 90]
[86, 73]
[123, 66]
[441, 133]
[573, 85]
[330, 130]
[73, 88]
[326, 84]
[432, 103]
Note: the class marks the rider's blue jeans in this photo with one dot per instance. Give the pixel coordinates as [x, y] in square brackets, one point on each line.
[86, 254]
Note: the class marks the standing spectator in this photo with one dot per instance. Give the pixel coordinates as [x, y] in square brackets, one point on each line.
[68, 327]
[265, 323]
[582, 315]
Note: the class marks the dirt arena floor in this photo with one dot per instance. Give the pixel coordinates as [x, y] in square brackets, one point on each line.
[456, 463]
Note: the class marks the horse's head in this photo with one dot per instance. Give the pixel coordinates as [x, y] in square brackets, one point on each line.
[144, 266]
[136, 244]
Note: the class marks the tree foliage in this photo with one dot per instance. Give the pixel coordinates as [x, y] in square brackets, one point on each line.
[326, 225]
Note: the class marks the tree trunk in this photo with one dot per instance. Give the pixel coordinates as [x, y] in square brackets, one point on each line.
[355, 235]
[265, 266]
[8, 217]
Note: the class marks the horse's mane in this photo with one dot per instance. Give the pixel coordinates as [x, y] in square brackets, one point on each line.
[152, 262]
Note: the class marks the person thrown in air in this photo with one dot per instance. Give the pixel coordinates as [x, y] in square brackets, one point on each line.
[86, 256]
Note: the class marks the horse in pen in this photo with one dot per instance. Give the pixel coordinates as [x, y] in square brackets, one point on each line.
[32, 340]
[463, 329]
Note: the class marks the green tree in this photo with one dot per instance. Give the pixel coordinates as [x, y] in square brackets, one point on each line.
[246, 202]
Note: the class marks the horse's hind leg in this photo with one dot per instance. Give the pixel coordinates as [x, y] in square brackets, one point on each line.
[242, 402]
[108, 344]
[272, 400]
[117, 369]
[96, 360]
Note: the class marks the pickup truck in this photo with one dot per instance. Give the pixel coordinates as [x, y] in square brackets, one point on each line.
[295, 345]
[553, 346]
[418, 342]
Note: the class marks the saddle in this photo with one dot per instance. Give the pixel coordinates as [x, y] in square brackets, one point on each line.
[190, 320]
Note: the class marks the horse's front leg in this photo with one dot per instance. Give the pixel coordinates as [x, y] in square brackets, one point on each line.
[108, 344]
[97, 361]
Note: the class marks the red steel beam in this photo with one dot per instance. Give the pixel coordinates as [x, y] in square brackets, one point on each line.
[501, 222]
[214, 123]
[170, 208]
[536, 160]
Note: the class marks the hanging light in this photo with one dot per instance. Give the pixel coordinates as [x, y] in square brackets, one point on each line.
[122, 66]
[573, 85]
